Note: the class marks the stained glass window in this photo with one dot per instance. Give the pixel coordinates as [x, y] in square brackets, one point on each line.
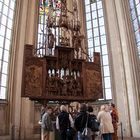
[51, 9]
[7, 10]
[96, 37]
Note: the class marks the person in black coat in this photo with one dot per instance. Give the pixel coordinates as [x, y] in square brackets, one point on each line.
[92, 116]
[63, 122]
[80, 123]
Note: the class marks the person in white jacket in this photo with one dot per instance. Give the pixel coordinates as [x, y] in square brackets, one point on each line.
[105, 120]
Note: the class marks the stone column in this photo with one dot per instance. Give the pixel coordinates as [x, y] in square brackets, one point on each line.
[117, 65]
[16, 67]
[21, 110]
[32, 22]
[131, 64]
[27, 107]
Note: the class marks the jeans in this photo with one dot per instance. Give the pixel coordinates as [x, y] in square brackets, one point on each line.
[107, 136]
[63, 135]
[81, 137]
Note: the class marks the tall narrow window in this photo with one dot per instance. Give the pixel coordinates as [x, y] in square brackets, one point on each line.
[46, 9]
[6, 26]
[96, 37]
[135, 17]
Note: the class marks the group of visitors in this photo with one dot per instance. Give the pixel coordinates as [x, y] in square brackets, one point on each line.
[81, 126]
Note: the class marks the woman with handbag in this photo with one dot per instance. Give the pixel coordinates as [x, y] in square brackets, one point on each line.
[82, 125]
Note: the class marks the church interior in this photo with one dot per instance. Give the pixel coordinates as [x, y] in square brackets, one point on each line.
[55, 52]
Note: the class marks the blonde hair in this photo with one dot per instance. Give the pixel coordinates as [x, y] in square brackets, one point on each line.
[102, 107]
[63, 108]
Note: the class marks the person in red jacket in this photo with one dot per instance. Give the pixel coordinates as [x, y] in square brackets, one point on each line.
[115, 119]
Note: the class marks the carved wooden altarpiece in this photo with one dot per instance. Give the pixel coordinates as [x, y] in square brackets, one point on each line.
[58, 69]
[61, 77]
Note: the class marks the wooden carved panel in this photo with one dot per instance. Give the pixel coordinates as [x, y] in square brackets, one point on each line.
[92, 80]
[64, 56]
[34, 77]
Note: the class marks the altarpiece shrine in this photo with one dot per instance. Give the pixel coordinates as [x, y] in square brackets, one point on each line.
[59, 69]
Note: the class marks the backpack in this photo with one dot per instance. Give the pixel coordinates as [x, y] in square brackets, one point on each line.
[95, 125]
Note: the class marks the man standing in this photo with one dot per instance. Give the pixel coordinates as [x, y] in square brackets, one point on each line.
[106, 126]
[46, 126]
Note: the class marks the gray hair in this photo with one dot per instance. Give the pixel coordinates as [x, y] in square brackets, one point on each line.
[63, 108]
